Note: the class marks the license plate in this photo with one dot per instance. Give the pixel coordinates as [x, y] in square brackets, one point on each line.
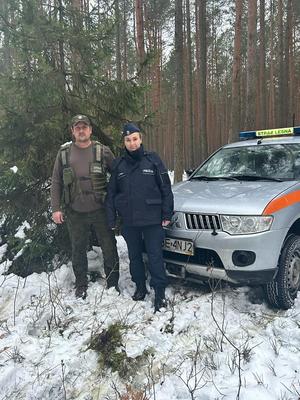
[179, 246]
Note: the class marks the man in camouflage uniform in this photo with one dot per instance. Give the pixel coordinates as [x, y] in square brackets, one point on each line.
[77, 196]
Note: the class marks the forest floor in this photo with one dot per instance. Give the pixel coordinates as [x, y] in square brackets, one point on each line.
[224, 343]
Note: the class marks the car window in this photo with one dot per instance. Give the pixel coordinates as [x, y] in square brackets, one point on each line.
[279, 161]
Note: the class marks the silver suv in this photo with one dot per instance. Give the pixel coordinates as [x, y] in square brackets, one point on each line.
[237, 217]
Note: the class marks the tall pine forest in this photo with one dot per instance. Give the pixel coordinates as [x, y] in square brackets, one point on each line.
[190, 73]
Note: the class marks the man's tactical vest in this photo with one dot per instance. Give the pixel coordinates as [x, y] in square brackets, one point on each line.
[97, 174]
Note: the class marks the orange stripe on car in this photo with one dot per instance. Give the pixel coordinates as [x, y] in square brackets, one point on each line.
[282, 202]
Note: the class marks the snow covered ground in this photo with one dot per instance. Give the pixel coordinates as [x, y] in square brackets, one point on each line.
[224, 344]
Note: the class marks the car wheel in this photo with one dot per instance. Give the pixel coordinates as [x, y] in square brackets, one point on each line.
[271, 292]
[283, 290]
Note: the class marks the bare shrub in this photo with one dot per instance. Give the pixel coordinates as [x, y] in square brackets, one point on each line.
[133, 394]
[130, 393]
[191, 370]
[276, 345]
[15, 355]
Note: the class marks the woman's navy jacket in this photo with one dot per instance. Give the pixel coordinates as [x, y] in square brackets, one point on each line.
[139, 191]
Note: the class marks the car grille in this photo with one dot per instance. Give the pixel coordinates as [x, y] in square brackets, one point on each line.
[203, 222]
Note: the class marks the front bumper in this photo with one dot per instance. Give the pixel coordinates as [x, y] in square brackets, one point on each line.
[213, 258]
[200, 273]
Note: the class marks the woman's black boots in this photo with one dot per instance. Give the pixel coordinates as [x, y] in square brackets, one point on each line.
[140, 291]
[160, 299]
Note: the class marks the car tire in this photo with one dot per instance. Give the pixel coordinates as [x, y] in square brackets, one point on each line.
[283, 290]
[271, 292]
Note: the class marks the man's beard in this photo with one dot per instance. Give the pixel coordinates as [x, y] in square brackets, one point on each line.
[83, 139]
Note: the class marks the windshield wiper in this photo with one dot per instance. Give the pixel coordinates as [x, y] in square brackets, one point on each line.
[256, 178]
[202, 178]
[214, 178]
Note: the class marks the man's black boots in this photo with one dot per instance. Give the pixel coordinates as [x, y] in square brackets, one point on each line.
[140, 291]
[81, 292]
[160, 299]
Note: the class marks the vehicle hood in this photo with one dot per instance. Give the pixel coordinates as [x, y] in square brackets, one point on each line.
[227, 197]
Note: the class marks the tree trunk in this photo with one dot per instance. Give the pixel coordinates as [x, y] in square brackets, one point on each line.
[61, 63]
[178, 150]
[5, 62]
[282, 69]
[288, 63]
[251, 65]
[124, 36]
[197, 153]
[140, 40]
[202, 79]
[189, 65]
[76, 56]
[118, 41]
[236, 74]
[262, 111]
[271, 107]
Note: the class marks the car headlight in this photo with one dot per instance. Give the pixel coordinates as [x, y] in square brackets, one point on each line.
[246, 224]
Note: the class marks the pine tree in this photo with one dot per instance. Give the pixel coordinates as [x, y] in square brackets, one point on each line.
[55, 65]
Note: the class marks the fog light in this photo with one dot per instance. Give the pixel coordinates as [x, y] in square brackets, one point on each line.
[243, 258]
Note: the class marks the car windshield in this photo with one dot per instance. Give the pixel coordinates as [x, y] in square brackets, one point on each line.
[278, 162]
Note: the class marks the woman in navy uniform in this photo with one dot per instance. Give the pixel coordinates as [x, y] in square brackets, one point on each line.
[139, 192]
